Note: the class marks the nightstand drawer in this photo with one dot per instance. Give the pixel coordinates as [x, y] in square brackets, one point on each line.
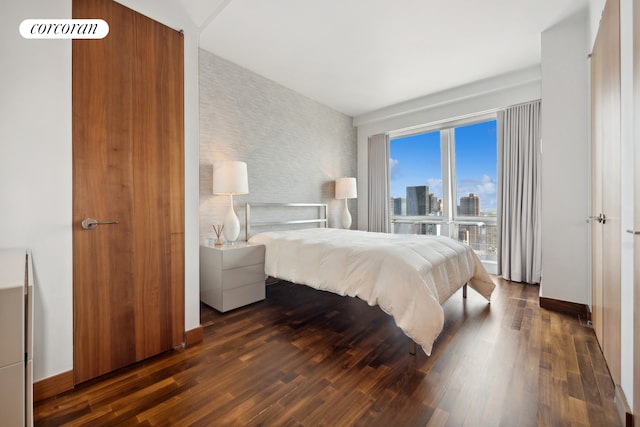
[247, 255]
[242, 276]
[244, 295]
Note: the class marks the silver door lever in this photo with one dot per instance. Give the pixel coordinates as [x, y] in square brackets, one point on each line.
[91, 223]
[600, 218]
[635, 233]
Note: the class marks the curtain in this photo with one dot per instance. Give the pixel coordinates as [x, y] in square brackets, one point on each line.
[519, 243]
[379, 183]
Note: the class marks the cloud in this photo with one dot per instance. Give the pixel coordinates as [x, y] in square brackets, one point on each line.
[484, 187]
[393, 167]
[435, 186]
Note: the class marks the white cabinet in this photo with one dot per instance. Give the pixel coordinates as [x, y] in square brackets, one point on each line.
[231, 275]
[16, 293]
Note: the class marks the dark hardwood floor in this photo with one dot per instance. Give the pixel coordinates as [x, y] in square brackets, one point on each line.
[309, 358]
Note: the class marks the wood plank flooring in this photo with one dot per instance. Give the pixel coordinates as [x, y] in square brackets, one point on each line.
[308, 358]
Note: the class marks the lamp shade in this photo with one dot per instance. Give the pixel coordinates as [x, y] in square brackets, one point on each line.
[230, 177]
[346, 188]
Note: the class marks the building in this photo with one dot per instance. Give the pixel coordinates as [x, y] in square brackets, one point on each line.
[470, 234]
[420, 202]
[469, 205]
[399, 206]
[435, 205]
[417, 200]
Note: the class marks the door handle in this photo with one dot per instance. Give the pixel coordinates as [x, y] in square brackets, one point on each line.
[600, 218]
[91, 223]
[635, 233]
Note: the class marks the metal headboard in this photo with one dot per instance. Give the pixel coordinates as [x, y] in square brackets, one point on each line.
[321, 217]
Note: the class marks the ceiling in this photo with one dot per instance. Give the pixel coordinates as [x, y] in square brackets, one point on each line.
[357, 56]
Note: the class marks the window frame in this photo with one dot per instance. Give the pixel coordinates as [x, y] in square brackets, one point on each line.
[450, 219]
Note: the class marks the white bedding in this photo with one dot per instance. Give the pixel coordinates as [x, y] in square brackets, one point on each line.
[408, 276]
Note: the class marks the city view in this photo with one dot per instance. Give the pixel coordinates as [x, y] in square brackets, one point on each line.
[466, 159]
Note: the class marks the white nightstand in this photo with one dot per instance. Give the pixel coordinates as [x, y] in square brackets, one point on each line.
[231, 275]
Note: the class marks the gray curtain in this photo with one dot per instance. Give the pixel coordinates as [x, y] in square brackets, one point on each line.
[519, 244]
[379, 183]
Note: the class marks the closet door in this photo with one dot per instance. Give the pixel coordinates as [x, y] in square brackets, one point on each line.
[605, 119]
[127, 170]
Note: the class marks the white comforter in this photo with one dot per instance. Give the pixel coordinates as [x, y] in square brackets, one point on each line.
[408, 276]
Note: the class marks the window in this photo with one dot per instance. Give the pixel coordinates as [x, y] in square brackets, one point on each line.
[416, 175]
[443, 182]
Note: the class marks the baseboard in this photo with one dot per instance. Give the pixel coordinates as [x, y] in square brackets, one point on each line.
[52, 386]
[581, 310]
[193, 336]
[62, 382]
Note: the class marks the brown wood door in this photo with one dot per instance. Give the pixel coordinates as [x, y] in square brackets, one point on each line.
[128, 166]
[606, 145]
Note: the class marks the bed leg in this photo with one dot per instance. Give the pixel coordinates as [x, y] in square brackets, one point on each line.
[464, 291]
[412, 347]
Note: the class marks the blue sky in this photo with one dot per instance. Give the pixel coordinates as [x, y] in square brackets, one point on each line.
[416, 160]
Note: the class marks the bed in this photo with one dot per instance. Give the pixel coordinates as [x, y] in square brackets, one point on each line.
[407, 276]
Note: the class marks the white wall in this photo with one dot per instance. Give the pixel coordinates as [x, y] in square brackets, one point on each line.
[482, 96]
[566, 167]
[35, 171]
[35, 167]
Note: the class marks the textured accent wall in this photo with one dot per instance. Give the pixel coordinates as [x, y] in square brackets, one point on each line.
[294, 147]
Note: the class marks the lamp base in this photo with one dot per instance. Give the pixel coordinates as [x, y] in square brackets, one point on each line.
[345, 218]
[231, 229]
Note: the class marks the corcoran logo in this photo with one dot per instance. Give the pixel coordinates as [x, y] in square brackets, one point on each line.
[64, 28]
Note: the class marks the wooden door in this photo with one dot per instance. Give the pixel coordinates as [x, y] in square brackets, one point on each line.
[128, 166]
[606, 286]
